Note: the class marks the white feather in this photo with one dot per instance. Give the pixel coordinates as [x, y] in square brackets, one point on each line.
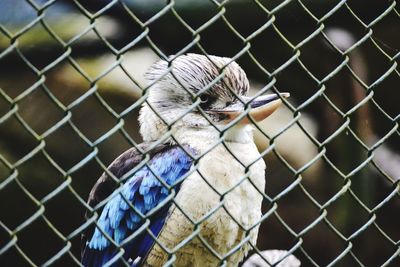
[218, 172]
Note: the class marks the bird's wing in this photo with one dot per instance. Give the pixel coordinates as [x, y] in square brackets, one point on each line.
[143, 191]
[120, 168]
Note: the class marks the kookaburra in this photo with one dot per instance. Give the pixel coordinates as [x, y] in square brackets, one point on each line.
[197, 200]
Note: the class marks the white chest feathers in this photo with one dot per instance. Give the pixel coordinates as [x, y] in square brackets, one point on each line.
[217, 210]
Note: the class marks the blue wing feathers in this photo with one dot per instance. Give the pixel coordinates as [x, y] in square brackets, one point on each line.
[144, 191]
[147, 241]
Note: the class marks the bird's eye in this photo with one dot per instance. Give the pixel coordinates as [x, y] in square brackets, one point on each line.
[204, 99]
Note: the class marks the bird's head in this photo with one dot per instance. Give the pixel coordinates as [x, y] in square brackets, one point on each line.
[199, 92]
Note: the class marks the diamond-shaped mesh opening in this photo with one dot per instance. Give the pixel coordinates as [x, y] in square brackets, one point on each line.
[386, 158]
[159, 34]
[38, 119]
[322, 188]
[294, 14]
[347, 19]
[245, 9]
[307, 215]
[386, 220]
[322, 253]
[344, 208]
[296, 80]
[272, 59]
[313, 65]
[47, 176]
[71, 89]
[55, 20]
[13, 256]
[320, 10]
[91, 108]
[68, 230]
[270, 226]
[373, 53]
[15, 69]
[112, 30]
[14, 151]
[13, 21]
[66, 83]
[368, 16]
[340, 158]
[27, 242]
[60, 151]
[13, 217]
[113, 150]
[381, 255]
[209, 43]
[36, 39]
[207, 10]
[380, 99]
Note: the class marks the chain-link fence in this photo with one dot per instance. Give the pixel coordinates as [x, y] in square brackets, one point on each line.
[71, 86]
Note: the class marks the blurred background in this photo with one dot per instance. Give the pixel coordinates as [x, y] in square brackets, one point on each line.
[71, 75]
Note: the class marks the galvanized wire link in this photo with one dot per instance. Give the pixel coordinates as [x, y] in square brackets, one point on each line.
[346, 183]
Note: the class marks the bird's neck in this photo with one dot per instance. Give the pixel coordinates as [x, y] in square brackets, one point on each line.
[203, 139]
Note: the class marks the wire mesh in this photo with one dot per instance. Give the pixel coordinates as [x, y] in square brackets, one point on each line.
[62, 124]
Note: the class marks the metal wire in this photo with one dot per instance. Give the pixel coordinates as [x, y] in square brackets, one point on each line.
[348, 185]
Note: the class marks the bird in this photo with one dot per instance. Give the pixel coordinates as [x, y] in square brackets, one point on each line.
[191, 193]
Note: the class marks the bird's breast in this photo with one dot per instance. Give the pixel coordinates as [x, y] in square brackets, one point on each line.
[224, 191]
[215, 199]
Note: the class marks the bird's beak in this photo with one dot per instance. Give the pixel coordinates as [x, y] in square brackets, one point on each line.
[261, 108]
